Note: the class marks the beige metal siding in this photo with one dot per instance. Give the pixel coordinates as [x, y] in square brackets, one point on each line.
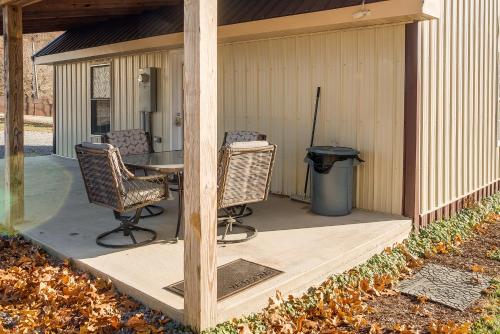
[269, 86]
[125, 92]
[73, 99]
[459, 101]
[72, 106]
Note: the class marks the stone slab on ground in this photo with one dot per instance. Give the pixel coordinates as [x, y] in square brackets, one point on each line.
[453, 288]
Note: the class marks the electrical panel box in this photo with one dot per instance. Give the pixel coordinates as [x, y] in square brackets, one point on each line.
[147, 89]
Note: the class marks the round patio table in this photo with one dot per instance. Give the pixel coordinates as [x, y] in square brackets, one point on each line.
[167, 163]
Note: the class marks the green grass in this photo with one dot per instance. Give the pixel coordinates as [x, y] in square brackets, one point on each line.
[393, 261]
[490, 321]
[494, 255]
[4, 231]
[33, 127]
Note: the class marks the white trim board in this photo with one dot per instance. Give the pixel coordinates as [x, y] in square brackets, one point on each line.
[384, 12]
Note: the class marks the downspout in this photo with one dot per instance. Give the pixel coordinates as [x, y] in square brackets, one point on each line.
[54, 108]
[34, 81]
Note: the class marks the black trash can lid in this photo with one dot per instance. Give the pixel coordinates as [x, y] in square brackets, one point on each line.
[333, 150]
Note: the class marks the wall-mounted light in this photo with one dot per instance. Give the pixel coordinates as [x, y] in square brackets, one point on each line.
[362, 12]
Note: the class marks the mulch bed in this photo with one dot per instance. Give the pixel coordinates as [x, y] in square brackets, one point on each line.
[470, 256]
[39, 294]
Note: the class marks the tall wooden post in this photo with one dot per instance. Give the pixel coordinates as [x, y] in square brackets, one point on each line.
[200, 161]
[14, 141]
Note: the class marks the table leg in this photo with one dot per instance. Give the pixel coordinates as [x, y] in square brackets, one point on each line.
[181, 203]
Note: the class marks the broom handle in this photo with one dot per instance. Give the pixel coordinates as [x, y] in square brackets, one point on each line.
[318, 91]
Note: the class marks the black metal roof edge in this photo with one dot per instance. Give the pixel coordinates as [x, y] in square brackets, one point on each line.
[48, 46]
[167, 20]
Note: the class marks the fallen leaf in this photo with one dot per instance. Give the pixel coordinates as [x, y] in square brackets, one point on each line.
[475, 268]
[441, 248]
[422, 299]
[115, 322]
[376, 329]
[244, 329]
[135, 321]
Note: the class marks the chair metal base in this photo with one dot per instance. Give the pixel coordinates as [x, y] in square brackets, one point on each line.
[239, 211]
[127, 226]
[152, 211]
[229, 223]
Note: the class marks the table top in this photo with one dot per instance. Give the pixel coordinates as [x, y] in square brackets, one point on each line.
[165, 162]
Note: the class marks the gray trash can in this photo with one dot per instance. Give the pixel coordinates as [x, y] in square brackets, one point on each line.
[332, 178]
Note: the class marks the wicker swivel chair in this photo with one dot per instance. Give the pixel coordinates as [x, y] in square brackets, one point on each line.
[244, 177]
[134, 141]
[234, 136]
[109, 183]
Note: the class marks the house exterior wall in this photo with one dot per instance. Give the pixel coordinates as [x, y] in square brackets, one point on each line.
[458, 102]
[269, 85]
[73, 99]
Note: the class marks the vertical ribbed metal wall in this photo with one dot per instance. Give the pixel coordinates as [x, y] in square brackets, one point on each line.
[459, 101]
[269, 86]
[73, 99]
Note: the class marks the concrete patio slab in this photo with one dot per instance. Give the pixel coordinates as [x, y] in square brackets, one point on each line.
[306, 247]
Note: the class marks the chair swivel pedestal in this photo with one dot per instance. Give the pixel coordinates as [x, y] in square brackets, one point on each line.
[232, 220]
[128, 225]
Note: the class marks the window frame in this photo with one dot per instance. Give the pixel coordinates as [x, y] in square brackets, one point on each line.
[92, 99]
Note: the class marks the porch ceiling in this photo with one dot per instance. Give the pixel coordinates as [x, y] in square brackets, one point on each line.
[57, 15]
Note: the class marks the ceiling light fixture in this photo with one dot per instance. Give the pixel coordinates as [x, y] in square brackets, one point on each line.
[362, 12]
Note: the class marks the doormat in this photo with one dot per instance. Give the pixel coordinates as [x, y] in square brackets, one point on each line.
[234, 277]
[453, 288]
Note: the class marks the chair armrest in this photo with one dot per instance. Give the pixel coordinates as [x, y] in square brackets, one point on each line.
[151, 178]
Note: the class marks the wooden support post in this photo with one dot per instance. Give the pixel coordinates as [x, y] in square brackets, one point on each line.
[200, 161]
[14, 141]
[411, 168]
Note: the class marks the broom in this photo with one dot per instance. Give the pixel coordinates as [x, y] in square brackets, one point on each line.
[304, 198]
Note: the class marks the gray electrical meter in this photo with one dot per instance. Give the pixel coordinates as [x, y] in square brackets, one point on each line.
[147, 89]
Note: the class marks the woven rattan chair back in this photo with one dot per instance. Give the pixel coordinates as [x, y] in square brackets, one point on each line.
[244, 174]
[241, 136]
[111, 184]
[103, 175]
[134, 141]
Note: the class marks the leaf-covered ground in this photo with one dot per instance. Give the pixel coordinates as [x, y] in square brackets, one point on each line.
[41, 295]
[366, 300]
[472, 255]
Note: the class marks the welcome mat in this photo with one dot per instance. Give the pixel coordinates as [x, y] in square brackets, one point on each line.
[453, 288]
[234, 277]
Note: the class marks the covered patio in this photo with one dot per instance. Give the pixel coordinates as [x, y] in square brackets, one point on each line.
[305, 246]
[45, 197]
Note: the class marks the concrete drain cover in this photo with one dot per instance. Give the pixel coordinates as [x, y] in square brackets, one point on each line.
[453, 288]
[234, 277]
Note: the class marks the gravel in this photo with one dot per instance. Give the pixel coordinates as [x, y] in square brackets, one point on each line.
[35, 143]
